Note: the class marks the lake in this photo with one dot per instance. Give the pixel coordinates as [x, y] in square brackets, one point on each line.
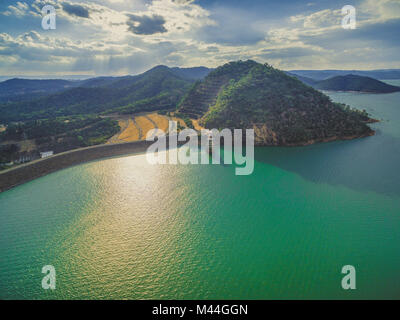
[123, 229]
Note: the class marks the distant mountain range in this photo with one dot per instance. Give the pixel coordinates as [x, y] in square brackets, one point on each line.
[160, 88]
[16, 89]
[386, 74]
[349, 82]
[355, 83]
[22, 89]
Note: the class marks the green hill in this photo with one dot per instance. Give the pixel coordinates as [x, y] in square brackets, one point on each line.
[157, 89]
[20, 89]
[355, 83]
[281, 109]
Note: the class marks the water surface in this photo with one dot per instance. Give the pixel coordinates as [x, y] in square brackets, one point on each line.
[122, 229]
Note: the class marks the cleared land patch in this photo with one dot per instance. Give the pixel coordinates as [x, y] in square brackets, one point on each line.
[131, 133]
[145, 125]
[161, 121]
[180, 121]
[137, 127]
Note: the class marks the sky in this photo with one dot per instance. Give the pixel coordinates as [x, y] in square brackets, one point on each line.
[120, 37]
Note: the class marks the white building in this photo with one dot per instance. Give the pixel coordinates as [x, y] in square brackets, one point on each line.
[46, 154]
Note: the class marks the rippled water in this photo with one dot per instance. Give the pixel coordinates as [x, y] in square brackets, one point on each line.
[122, 229]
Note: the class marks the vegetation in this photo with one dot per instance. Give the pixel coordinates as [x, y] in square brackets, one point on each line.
[157, 89]
[61, 134]
[24, 89]
[244, 94]
[7, 153]
[281, 109]
[355, 83]
[188, 122]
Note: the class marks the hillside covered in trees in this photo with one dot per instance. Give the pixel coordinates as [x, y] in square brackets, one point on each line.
[160, 88]
[355, 83]
[60, 115]
[281, 109]
[27, 139]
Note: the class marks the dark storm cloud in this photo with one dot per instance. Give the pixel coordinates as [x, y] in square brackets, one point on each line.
[76, 10]
[146, 25]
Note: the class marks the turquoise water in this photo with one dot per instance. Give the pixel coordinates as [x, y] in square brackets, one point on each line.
[122, 229]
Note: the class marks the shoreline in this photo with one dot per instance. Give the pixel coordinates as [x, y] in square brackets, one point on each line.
[32, 170]
[24, 173]
[362, 92]
[332, 139]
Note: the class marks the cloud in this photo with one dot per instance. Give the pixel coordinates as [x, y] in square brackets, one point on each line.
[182, 2]
[382, 10]
[127, 37]
[19, 10]
[371, 45]
[146, 25]
[75, 10]
[320, 19]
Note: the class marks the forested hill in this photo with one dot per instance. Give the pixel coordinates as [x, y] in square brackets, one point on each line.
[20, 89]
[157, 89]
[196, 73]
[355, 83]
[281, 109]
[16, 90]
[243, 94]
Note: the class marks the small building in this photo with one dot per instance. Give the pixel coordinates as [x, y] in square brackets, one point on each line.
[46, 154]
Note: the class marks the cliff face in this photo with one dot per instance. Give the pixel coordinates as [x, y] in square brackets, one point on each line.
[281, 109]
